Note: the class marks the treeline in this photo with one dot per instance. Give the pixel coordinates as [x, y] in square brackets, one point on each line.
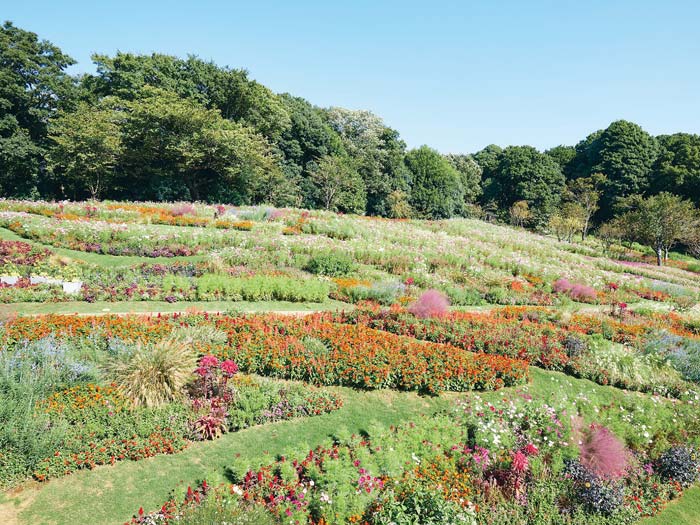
[157, 127]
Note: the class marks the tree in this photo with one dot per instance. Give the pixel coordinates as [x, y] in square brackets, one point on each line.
[87, 147]
[525, 174]
[625, 154]
[586, 192]
[436, 192]
[469, 178]
[33, 86]
[568, 221]
[229, 90]
[378, 153]
[399, 207]
[520, 214]
[564, 156]
[660, 221]
[677, 168]
[176, 148]
[336, 186]
[488, 159]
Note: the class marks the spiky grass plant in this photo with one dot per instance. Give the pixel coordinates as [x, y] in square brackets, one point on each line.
[153, 375]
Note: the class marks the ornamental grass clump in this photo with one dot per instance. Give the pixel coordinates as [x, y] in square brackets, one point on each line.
[603, 453]
[154, 374]
[430, 304]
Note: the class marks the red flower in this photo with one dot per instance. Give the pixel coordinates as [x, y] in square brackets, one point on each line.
[209, 361]
[531, 450]
[229, 368]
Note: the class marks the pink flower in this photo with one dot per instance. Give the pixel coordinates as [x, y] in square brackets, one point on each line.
[531, 450]
[201, 371]
[520, 462]
[229, 368]
[612, 287]
[209, 361]
[431, 304]
[409, 281]
[622, 306]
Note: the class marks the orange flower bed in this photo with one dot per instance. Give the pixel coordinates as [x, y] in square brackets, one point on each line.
[355, 355]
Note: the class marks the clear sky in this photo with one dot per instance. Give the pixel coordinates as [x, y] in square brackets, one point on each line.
[454, 75]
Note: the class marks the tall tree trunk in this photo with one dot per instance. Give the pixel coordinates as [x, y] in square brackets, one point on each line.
[659, 256]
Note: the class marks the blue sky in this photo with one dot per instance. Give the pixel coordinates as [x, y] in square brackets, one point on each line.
[454, 75]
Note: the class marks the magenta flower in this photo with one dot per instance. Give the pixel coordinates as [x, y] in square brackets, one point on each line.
[201, 371]
[520, 462]
[531, 450]
[229, 368]
[209, 361]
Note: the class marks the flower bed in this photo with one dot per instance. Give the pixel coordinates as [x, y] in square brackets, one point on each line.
[326, 353]
[486, 462]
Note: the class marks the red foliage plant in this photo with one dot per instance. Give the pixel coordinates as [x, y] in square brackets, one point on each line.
[603, 453]
[183, 209]
[430, 304]
[581, 292]
[562, 285]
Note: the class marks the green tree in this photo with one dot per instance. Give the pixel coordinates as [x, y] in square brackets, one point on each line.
[677, 169]
[87, 148]
[625, 154]
[564, 156]
[523, 173]
[378, 152]
[586, 193]
[229, 90]
[659, 221]
[469, 178]
[33, 85]
[335, 185]
[177, 148]
[436, 192]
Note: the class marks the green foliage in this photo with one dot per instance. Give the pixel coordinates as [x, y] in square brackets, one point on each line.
[437, 190]
[261, 288]
[334, 184]
[525, 174]
[625, 154]
[330, 264]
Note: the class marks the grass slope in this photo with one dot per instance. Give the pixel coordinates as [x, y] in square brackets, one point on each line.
[99, 258]
[80, 307]
[109, 495]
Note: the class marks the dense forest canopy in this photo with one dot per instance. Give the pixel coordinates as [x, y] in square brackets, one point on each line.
[159, 127]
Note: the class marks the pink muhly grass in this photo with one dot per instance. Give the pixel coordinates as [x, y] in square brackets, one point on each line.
[183, 209]
[430, 304]
[562, 285]
[603, 453]
[581, 292]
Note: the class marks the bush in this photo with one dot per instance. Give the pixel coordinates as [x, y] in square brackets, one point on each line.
[603, 453]
[261, 288]
[417, 505]
[153, 375]
[330, 264]
[430, 304]
[383, 293]
[679, 464]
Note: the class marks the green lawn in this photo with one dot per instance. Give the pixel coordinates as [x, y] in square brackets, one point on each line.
[109, 495]
[103, 307]
[685, 511]
[98, 258]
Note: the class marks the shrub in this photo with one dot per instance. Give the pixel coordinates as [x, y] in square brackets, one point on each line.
[330, 264]
[180, 210]
[417, 505]
[582, 293]
[679, 464]
[430, 304]
[575, 346]
[561, 286]
[603, 453]
[154, 374]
